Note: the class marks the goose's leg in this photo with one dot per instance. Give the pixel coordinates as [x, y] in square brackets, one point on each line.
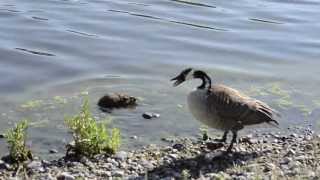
[234, 131]
[234, 139]
[224, 137]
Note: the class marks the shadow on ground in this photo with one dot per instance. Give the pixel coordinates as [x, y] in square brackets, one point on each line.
[204, 163]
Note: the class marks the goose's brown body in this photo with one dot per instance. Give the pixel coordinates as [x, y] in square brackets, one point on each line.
[222, 107]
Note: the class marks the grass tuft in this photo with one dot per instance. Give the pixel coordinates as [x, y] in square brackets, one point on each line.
[16, 139]
[91, 137]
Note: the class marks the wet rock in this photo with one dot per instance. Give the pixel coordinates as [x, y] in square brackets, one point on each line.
[117, 100]
[53, 151]
[65, 176]
[147, 115]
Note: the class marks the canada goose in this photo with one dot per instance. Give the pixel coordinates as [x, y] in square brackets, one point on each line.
[224, 108]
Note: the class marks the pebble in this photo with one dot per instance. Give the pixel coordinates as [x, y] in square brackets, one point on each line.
[65, 176]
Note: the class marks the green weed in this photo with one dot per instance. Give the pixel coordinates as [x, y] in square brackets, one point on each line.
[91, 137]
[16, 139]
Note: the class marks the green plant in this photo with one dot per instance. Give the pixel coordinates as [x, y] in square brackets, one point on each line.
[91, 137]
[16, 138]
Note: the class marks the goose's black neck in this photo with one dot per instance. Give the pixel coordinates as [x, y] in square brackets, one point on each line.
[206, 80]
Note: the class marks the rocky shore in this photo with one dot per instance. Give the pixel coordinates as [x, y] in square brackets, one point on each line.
[256, 156]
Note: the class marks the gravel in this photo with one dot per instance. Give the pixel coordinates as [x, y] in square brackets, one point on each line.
[266, 156]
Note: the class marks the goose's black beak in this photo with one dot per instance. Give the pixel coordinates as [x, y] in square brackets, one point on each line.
[178, 80]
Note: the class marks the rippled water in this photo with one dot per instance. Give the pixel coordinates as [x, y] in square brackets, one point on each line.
[267, 48]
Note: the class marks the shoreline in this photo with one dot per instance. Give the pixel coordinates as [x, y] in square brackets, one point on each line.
[255, 156]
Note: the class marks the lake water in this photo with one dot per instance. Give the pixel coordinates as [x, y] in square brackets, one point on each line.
[52, 50]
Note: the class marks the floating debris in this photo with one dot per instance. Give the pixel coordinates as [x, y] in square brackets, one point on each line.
[116, 100]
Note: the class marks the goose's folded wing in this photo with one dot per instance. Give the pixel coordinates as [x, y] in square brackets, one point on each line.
[231, 105]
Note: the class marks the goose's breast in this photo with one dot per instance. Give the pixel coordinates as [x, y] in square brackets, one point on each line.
[203, 111]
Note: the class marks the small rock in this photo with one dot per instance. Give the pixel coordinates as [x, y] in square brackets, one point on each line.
[294, 135]
[178, 146]
[35, 165]
[291, 152]
[4, 165]
[134, 137]
[309, 147]
[121, 155]
[155, 115]
[269, 167]
[65, 176]
[311, 174]
[49, 177]
[118, 173]
[2, 136]
[286, 160]
[174, 156]
[146, 164]
[53, 151]
[147, 115]
[102, 173]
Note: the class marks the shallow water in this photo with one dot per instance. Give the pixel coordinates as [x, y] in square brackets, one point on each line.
[267, 48]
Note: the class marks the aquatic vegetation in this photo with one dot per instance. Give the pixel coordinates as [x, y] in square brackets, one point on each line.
[60, 100]
[32, 104]
[91, 137]
[83, 93]
[316, 103]
[284, 102]
[256, 91]
[16, 139]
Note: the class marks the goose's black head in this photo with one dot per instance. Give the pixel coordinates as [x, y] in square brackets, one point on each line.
[190, 73]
